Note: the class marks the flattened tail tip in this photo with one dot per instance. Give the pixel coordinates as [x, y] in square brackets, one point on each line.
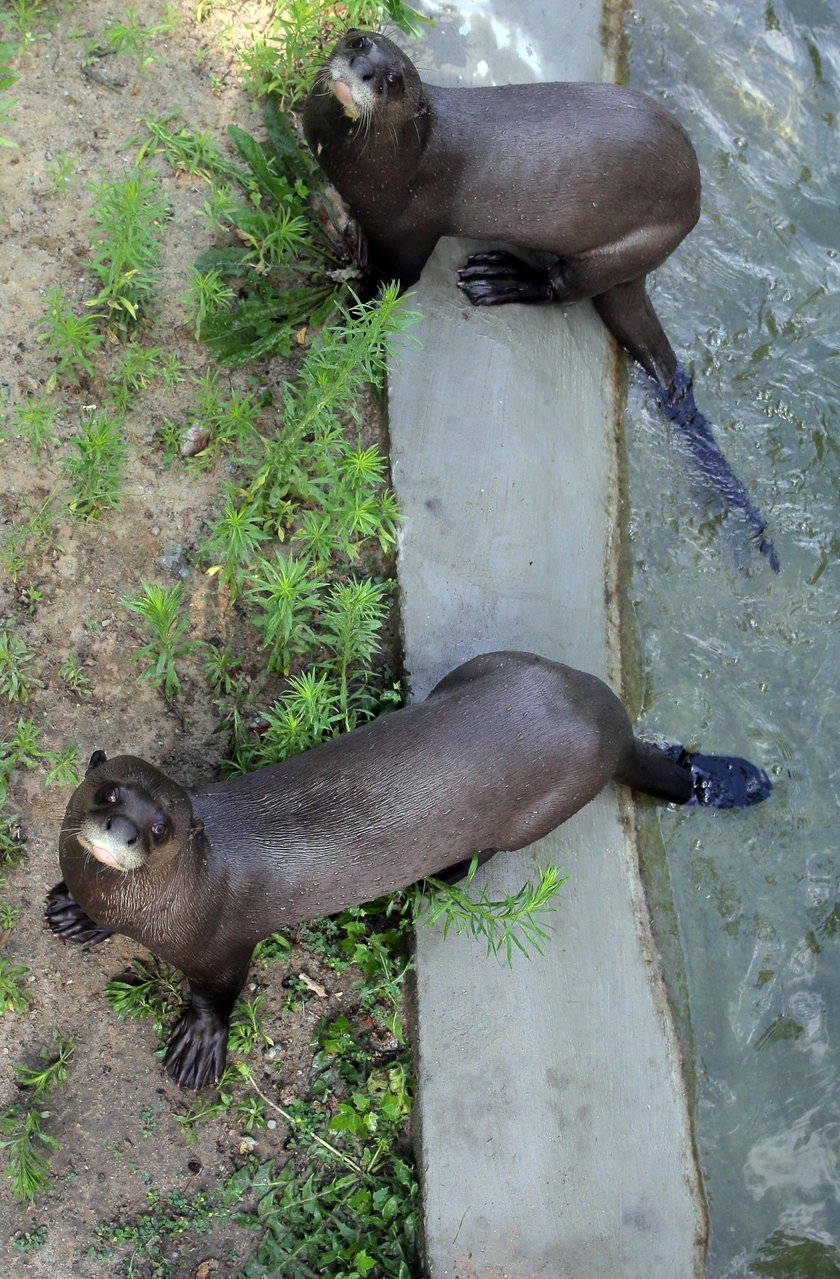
[769, 551]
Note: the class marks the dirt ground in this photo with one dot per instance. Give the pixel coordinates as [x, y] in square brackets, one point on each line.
[113, 1118]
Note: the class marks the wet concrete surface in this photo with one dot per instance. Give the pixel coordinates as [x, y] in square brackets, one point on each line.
[553, 1128]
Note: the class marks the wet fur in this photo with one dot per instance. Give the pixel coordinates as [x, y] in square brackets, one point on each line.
[598, 175]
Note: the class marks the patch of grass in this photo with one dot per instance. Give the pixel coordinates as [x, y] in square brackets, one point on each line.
[287, 594]
[187, 150]
[36, 421]
[170, 1218]
[95, 466]
[8, 77]
[227, 420]
[355, 1212]
[17, 678]
[272, 949]
[22, 1132]
[234, 542]
[28, 540]
[9, 916]
[221, 666]
[74, 677]
[60, 169]
[307, 470]
[159, 609]
[293, 261]
[64, 770]
[150, 988]
[32, 597]
[130, 36]
[22, 750]
[11, 837]
[205, 295]
[19, 19]
[134, 368]
[30, 1240]
[13, 998]
[247, 1027]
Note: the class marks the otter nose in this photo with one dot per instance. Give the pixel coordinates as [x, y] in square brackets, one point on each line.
[125, 830]
[361, 67]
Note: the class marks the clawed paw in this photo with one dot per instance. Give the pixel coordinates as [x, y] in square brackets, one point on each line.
[490, 279]
[68, 921]
[195, 1054]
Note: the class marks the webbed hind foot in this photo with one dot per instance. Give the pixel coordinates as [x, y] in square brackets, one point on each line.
[722, 781]
[491, 279]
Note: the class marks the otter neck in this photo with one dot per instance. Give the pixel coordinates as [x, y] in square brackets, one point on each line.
[136, 902]
[341, 144]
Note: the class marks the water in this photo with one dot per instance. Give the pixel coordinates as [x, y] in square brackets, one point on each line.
[732, 656]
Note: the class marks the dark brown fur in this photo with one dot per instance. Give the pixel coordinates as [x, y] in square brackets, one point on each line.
[598, 177]
[504, 749]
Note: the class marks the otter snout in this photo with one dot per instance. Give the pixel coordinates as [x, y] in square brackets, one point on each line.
[114, 840]
[121, 829]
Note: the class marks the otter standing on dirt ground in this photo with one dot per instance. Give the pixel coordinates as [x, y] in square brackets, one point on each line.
[504, 749]
[600, 176]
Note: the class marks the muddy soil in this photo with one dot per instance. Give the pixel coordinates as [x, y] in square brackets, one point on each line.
[114, 1116]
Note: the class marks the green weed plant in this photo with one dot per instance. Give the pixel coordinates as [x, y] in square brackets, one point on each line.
[128, 216]
[71, 338]
[36, 420]
[128, 35]
[17, 678]
[8, 77]
[95, 466]
[22, 1132]
[160, 610]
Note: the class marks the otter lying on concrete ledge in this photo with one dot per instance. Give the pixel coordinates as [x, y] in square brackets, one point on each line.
[600, 176]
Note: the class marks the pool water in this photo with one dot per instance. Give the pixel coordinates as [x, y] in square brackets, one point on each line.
[733, 657]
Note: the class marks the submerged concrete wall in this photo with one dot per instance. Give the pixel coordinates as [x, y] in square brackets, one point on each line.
[553, 1128]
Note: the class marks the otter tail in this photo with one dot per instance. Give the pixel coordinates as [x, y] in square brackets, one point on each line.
[678, 775]
[680, 407]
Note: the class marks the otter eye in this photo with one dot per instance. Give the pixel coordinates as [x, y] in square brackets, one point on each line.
[392, 77]
[160, 829]
[109, 795]
[360, 42]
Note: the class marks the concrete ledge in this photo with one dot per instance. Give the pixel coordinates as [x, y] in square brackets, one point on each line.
[553, 1128]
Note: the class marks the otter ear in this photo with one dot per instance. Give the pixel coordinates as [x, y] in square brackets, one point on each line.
[196, 829]
[97, 758]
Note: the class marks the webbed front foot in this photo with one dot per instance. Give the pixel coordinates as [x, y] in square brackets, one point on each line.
[197, 1047]
[490, 279]
[68, 921]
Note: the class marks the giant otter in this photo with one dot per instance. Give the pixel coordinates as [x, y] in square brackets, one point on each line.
[599, 176]
[505, 748]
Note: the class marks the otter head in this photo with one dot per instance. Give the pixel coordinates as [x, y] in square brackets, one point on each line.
[367, 73]
[127, 815]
